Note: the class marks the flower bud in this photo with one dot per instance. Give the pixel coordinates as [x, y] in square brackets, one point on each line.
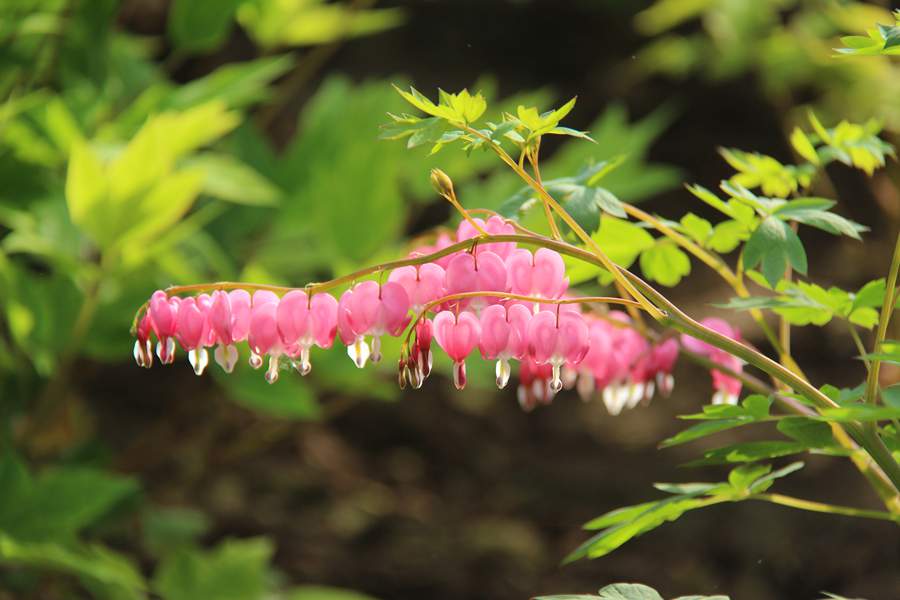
[442, 183]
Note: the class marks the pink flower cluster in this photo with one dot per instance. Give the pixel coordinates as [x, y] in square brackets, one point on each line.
[461, 301]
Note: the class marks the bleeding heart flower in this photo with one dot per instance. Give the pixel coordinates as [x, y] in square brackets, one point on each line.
[190, 329]
[304, 321]
[423, 283]
[420, 356]
[482, 273]
[164, 316]
[663, 359]
[494, 226]
[504, 336]
[557, 338]
[727, 388]
[263, 336]
[719, 326]
[457, 334]
[542, 274]
[143, 348]
[370, 309]
[534, 384]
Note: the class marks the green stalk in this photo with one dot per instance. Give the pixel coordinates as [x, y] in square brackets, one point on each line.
[821, 507]
[887, 308]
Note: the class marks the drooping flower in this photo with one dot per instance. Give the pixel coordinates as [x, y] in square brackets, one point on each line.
[663, 359]
[304, 322]
[420, 356]
[542, 274]
[504, 336]
[716, 324]
[494, 226]
[594, 371]
[469, 273]
[263, 336]
[534, 384]
[423, 283]
[163, 317]
[190, 329]
[221, 322]
[369, 309]
[557, 338]
[143, 347]
[727, 388]
[457, 334]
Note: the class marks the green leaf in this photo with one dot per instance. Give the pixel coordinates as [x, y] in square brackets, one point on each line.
[809, 432]
[697, 228]
[237, 85]
[227, 178]
[702, 430]
[765, 482]
[775, 245]
[273, 23]
[741, 478]
[86, 190]
[93, 561]
[322, 592]
[665, 263]
[61, 502]
[890, 395]
[824, 220]
[200, 25]
[727, 235]
[640, 519]
[747, 452]
[803, 146]
[870, 295]
[860, 412]
[234, 570]
[629, 591]
[168, 529]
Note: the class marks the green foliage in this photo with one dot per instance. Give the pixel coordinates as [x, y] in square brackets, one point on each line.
[803, 303]
[200, 25]
[617, 527]
[882, 39]
[235, 570]
[276, 23]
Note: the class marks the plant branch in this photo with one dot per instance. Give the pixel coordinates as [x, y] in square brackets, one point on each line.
[821, 507]
[887, 307]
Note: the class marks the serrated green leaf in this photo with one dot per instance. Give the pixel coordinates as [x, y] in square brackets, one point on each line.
[774, 245]
[697, 228]
[727, 235]
[870, 295]
[665, 263]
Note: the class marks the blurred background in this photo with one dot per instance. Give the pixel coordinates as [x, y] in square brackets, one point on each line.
[237, 140]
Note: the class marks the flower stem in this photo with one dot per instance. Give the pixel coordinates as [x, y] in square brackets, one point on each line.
[887, 308]
[821, 507]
